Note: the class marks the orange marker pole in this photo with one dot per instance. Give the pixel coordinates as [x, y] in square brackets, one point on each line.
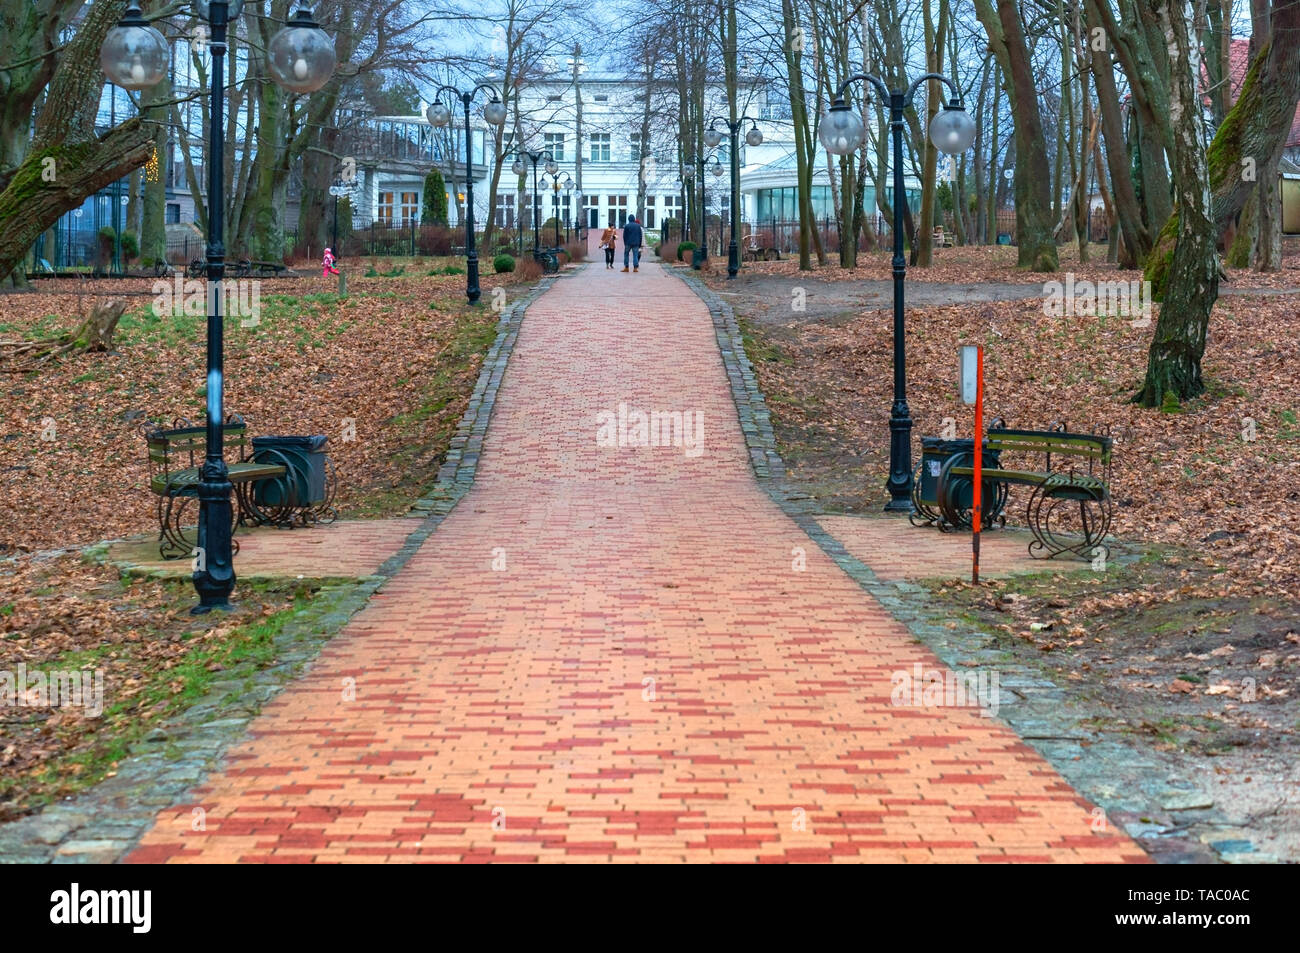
[977, 515]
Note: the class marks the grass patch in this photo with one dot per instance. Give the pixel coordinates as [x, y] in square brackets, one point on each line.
[147, 680]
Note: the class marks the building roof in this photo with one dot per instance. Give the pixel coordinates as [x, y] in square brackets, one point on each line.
[1238, 64]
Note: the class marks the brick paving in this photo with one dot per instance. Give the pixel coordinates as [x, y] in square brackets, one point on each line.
[345, 549]
[623, 654]
[897, 550]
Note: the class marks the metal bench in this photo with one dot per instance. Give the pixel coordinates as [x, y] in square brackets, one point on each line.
[176, 456]
[264, 269]
[1057, 492]
[243, 268]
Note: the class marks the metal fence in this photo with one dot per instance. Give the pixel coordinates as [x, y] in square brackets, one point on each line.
[410, 239]
[770, 239]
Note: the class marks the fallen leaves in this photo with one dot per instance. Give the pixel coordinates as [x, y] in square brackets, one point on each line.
[73, 465]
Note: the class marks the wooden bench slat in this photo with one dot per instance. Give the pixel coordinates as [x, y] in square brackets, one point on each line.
[188, 479]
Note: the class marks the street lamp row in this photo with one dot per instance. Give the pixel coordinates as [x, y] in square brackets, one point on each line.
[439, 115]
[754, 138]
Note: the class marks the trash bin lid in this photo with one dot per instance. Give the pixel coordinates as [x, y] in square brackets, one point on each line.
[314, 442]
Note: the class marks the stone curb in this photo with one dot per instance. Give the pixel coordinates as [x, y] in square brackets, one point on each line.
[104, 823]
[1129, 785]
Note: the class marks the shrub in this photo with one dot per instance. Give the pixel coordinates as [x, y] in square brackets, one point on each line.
[577, 251]
[130, 247]
[527, 270]
[435, 199]
[503, 263]
[434, 240]
[684, 247]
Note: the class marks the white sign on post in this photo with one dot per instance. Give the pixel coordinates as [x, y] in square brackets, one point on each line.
[969, 372]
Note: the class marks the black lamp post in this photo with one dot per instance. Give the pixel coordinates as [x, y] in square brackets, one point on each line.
[439, 115]
[518, 168]
[754, 138]
[568, 206]
[555, 204]
[952, 131]
[301, 58]
[701, 252]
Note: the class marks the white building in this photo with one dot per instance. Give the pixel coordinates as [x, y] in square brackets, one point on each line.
[601, 154]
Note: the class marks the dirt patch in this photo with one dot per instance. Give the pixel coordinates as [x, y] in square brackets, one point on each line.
[777, 300]
[1164, 659]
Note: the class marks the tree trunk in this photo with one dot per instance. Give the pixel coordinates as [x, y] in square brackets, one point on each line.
[1034, 225]
[1174, 363]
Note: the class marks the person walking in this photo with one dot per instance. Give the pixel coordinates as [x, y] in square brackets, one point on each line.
[607, 240]
[632, 235]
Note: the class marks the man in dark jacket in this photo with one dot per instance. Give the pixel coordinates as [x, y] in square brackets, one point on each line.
[632, 243]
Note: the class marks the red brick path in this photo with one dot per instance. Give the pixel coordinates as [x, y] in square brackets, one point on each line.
[649, 677]
[895, 549]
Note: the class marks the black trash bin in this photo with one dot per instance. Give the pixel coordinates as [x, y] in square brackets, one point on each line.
[935, 452]
[303, 485]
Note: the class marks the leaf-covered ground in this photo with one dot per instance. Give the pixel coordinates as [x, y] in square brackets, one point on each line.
[398, 357]
[1219, 475]
[997, 263]
[1193, 653]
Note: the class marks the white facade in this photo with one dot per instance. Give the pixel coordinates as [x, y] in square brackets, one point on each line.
[605, 182]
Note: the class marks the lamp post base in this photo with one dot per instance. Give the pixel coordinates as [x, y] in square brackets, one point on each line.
[899, 483]
[214, 573]
[472, 291]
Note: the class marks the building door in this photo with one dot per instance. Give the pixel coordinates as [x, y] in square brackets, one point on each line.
[591, 210]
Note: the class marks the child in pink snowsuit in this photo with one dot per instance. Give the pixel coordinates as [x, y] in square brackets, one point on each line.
[327, 265]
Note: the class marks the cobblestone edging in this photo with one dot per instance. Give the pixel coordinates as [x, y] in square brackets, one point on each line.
[1131, 786]
[103, 823]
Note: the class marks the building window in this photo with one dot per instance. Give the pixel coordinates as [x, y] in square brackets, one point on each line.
[173, 217]
[649, 216]
[506, 211]
[673, 207]
[636, 152]
[782, 205]
[602, 99]
[554, 144]
[600, 147]
[618, 210]
[409, 210]
[384, 211]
